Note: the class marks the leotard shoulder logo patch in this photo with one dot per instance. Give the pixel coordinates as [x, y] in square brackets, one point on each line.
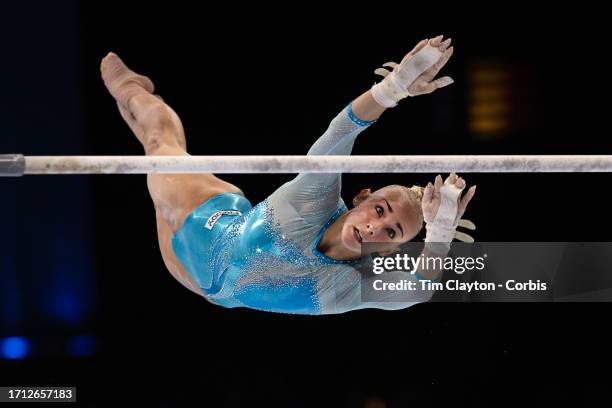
[218, 214]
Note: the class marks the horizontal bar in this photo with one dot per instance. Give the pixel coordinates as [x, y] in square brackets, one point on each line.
[314, 164]
[12, 165]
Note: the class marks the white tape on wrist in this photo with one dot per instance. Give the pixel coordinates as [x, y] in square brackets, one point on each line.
[442, 227]
[387, 93]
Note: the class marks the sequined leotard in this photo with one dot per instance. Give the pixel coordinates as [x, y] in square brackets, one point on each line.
[266, 257]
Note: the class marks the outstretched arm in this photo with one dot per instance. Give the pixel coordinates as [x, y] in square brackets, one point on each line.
[413, 76]
[310, 190]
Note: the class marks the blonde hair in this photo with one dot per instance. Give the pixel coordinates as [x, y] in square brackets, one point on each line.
[417, 191]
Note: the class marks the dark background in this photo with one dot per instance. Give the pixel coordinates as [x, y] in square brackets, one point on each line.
[82, 281]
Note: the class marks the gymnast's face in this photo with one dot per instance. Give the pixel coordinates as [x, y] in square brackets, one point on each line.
[385, 217]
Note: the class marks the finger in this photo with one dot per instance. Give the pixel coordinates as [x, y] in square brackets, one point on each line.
[466, 199]
[390, 64]
[462, 236]
[438, 83]
[460, 183]
[442, 82]
[466, 224]
[438, 184]
[435, 42]
[430, 73]
[444, 58]
[452, 177]
[428, 193]
[382, 72]
[425, 89]
[444, 45]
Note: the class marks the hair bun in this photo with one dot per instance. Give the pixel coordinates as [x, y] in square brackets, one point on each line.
[417, 191]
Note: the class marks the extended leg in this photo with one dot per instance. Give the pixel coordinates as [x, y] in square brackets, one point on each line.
[160, 131]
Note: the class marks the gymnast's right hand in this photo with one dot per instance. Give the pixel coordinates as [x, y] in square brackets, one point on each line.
[443, 207]
[414, 75]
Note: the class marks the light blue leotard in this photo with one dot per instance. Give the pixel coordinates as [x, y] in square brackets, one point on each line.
[265, 257]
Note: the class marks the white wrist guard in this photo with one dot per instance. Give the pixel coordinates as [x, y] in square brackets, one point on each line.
[394, 87]
[443, 227]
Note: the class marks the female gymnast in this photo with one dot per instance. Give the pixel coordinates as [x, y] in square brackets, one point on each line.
[298, 251]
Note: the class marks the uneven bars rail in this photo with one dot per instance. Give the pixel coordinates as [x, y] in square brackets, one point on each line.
[18, 165]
